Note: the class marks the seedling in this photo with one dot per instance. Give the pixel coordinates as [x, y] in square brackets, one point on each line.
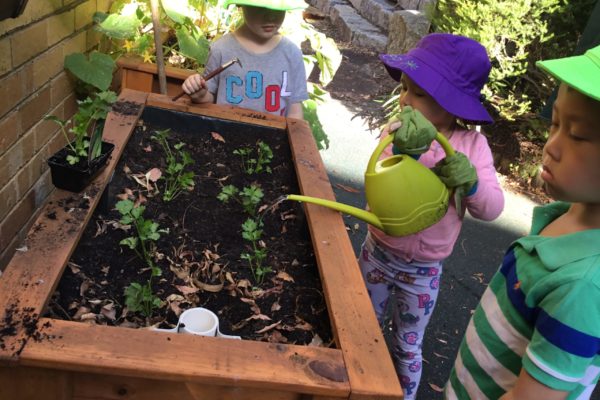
[251, 232]
[249, 197]
[140, 297]
[176, 178]
[252, 165]
[86, 122]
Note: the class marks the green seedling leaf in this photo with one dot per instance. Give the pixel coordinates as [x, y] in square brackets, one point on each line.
[97, 71]
[130, 242]
[179, 10]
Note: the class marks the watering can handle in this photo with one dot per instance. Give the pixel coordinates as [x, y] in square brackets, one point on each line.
[441, 139]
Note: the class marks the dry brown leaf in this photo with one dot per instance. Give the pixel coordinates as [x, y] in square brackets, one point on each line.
[74, 267]
[81, 311]
[440, 355]
[316, 341]
[186, 289]
[105, 269]
[154, 174]
[436, 387]
[109, 311]
[285, 276]
[276, 337]
[217, 136]
[275, 307]
[85, 285]
[147, 149]
[88, 317]
[268, 327]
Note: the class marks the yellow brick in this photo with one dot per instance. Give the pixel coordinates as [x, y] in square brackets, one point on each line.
[60, 87]
[17, 218]
[34, 108]
[75, 44]
[103, 5]
[11, 161]
[47, 66]
[84, 13]
[5, 60]
[34, 11]
[29, 42]
[42, 132]
[60, 26]
[11, 92]
[8, 198]
[10, 131]
[93, 38]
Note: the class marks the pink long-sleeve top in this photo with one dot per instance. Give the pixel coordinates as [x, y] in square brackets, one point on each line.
[436, 242]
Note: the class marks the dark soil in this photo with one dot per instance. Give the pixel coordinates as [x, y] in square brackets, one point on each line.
[200, 254]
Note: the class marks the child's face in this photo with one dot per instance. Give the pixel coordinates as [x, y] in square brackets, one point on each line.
[571, 157]
[412, 95]
[263, 22]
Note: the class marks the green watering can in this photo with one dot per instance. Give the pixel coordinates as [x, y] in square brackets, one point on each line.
[404, 196]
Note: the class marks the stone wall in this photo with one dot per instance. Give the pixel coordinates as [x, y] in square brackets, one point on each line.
[33, 83]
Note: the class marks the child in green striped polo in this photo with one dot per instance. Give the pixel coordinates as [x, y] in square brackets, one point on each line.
[536, 331]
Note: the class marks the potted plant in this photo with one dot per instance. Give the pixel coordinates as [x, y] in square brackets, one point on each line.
[75, 165]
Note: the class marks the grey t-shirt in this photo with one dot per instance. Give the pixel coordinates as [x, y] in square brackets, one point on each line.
[267, 82]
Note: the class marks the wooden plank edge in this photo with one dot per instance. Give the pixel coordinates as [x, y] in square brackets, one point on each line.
[32, 275]
[367, 358]
[75, 346]
[226, 112]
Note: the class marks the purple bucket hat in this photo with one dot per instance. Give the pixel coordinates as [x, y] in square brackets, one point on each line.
[451, 68]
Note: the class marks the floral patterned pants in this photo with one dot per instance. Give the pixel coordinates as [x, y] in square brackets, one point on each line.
[415, 286]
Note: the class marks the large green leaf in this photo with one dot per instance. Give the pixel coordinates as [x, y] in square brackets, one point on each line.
[97, 71]
[197, 49]
[179, 10]
[120, 26]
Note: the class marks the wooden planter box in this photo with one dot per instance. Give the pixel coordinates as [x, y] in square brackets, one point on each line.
[56, 359]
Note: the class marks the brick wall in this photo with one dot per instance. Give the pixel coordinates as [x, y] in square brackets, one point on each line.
[33, 83]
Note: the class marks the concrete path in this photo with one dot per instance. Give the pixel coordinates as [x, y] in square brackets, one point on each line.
[477, 255]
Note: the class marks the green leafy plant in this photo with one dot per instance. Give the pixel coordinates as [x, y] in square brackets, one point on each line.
[252, 232]
[251, 165]
[249, 197]
[140, 297]
[86, 126]
[176, 178]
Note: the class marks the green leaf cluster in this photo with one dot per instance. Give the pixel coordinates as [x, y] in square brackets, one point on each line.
[516, 34]
[249, 197]
[250, 164]
[86, 126]
[140, 297]
[252, 232]
[176, 177]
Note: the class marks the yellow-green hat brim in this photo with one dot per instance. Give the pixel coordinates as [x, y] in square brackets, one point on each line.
[580, 72]
[280, 5]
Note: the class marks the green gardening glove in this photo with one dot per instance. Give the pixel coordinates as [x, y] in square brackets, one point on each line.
[457, 173]
[416, 133]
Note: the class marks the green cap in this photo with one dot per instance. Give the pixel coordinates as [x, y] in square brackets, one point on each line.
[281, 5]
[580, 72]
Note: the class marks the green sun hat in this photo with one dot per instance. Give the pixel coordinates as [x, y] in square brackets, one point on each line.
[280, 5]
[580, 72]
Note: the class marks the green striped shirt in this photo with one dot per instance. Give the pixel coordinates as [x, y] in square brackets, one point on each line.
[540, 312]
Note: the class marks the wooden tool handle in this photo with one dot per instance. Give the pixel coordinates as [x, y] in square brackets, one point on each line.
[207, 77]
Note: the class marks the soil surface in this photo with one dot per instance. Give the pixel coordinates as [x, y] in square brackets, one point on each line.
[200, 255]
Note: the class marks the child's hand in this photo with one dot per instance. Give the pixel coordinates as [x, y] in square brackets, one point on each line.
[457, 172]
[195, 86]
[414, 134]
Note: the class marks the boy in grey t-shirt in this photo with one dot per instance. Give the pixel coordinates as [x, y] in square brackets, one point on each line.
[273, 78]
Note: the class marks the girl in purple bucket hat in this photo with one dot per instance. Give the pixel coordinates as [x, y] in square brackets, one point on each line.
[441, 81]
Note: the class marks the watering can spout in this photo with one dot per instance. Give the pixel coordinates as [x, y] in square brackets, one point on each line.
[359, 213]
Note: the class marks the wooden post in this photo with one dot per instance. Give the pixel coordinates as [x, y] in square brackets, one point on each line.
[160, 62]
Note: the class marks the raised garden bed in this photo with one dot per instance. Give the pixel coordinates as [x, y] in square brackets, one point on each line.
[74, 360]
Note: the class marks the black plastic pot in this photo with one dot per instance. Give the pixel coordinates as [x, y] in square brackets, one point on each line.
[77, 177]
[11, 8]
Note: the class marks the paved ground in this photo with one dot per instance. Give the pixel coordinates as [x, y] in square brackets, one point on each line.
[476, 256]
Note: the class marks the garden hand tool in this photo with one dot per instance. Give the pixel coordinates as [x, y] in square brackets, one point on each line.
[214, 73]
[457, 172]
[415, 134]
[404, 196]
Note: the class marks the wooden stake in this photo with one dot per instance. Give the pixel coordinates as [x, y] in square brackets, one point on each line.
[160, 62]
